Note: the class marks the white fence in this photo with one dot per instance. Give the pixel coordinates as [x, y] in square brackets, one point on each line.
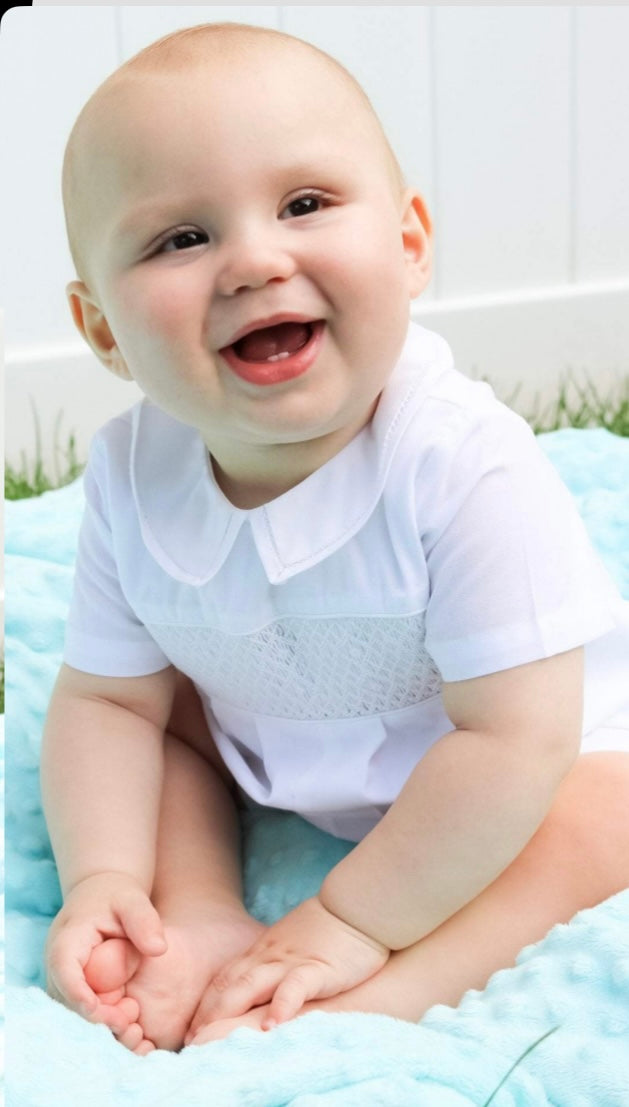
[511, 120]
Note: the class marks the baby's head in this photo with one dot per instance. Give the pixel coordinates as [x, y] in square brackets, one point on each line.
[245, 243]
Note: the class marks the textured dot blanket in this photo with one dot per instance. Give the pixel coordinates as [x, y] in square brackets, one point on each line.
[574, 983]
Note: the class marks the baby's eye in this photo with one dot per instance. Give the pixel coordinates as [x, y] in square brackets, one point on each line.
[302, 205]
[183, 240]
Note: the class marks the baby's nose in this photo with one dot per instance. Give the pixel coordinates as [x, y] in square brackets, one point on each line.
[251, 262]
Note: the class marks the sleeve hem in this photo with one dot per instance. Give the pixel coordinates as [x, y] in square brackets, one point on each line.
[507, 648]
[102, 657]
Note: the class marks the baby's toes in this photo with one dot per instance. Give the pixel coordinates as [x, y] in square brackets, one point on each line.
[118, 1016]
[145, 1046]
[111, 998]
[130, 1008]
[132, 1037]
[111, 965]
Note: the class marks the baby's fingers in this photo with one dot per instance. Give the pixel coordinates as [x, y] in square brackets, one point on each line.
[233, 992]
[67, 984]
[307, 981]
[115, 1015]
[141, 923]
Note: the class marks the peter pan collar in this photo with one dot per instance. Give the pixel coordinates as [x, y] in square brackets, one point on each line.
[189, 526]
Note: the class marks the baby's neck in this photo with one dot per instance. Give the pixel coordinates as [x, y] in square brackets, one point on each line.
[253, 492]
[252, 477]
[248, 487]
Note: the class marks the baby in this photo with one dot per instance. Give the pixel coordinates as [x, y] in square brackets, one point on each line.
[319, 571]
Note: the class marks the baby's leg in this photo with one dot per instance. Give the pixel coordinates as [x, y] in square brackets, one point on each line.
[579, 857]
[197, 890]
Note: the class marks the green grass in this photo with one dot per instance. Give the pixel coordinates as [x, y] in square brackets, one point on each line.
[32, 479]
[581, 405]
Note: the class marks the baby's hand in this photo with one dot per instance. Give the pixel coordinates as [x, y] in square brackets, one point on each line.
[106, 905]
[309, 954]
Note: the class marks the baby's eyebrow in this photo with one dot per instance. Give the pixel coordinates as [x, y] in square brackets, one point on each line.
[142, 214]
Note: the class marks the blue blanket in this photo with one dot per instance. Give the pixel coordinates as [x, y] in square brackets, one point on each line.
[574, 983]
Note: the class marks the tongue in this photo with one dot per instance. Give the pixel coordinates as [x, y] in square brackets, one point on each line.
[285, 338]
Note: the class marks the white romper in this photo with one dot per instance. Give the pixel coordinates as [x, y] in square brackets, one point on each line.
[438, 545]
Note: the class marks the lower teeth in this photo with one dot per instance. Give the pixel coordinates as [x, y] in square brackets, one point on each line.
[279, 357]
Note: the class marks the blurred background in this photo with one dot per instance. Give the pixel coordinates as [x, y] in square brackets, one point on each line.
[513, 121]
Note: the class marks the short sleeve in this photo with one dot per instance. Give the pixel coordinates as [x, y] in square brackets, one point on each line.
[513, 576]
[103, 635]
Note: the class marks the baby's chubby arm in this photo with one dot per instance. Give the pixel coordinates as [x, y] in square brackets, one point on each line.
[467, 810]
[101, 771]
[470, 805]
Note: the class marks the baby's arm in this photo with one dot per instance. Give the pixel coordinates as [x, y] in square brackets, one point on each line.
[467, 810]
[470, 806]
[102, 760]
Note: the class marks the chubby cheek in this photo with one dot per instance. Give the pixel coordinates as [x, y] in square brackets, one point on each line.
[369, 277]
[370, 287]
[368, 264]
[152, 314]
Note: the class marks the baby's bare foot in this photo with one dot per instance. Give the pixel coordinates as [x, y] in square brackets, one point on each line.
[222, 1028]
[169, 987]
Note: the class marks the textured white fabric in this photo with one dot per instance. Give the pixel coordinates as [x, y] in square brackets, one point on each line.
[309, 668]
[439, 544]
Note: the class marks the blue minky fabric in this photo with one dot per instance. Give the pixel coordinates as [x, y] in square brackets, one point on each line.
[575, 980]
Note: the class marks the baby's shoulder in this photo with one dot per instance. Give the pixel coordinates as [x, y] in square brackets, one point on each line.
[111, 450]
[438, 411]
[117, 433]
[460, 423]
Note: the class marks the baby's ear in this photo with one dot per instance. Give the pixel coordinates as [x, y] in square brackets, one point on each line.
[417, 240]
[92, 324]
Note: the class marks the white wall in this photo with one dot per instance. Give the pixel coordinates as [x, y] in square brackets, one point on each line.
[512, 120]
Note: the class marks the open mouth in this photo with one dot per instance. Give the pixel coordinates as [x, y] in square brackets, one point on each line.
[273, 343]
[275, 353]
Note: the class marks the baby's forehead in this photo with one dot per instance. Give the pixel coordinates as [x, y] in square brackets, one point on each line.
[140, 105]
[229, 70]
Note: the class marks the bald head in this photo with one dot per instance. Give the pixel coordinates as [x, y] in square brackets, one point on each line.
[96, 133]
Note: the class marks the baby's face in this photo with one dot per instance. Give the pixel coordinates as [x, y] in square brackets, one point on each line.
[249, 250]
